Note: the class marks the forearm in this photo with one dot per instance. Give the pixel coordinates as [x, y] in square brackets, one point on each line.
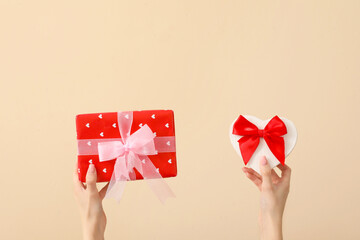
[93, 236]
[92, 233]
[270, 227]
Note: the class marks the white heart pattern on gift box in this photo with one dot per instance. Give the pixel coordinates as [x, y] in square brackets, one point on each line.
[289, 138]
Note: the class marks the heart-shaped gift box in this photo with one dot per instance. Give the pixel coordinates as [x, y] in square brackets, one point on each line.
[252, 138]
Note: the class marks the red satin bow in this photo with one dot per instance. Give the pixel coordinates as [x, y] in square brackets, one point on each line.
[272, 134]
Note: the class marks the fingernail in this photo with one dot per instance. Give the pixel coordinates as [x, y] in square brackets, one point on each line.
[91, 168]
[263, 161]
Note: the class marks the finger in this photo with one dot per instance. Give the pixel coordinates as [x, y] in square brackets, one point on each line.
[102, 192]
[253, 176]
[265, 170]
[252, 171]
[77, 184]
[274, 176]
[254, 179]
[91, 178]
[282, 167]
[285, 171]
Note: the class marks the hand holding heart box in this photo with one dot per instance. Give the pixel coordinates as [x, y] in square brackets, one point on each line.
[252, 138]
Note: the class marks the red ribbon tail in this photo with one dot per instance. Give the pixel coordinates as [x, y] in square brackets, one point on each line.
[248, 145]
[276, 145]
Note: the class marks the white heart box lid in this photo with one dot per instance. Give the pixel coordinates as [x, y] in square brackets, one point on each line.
[263, 150]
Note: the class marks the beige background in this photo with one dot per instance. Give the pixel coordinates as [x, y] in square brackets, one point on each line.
[208, 61]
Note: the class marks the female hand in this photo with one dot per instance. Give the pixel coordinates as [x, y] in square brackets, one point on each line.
[273, 194]
[90, 203]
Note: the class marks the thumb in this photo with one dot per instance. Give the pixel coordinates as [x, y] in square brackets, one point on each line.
[91, 178]
[265, 170]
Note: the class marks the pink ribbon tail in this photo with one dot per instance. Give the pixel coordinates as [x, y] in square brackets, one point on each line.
[147, 169]
[155, 181]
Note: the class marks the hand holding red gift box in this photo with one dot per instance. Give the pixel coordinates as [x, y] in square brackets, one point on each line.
[128, 146]
[253, 138]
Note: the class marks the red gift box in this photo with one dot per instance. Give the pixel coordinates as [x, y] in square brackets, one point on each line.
[101, 127]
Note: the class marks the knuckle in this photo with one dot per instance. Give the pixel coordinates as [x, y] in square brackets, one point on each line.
[287, 186]
[90, 180]
[266, 173]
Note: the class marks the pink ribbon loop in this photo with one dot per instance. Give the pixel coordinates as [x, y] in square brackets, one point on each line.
[132, 152]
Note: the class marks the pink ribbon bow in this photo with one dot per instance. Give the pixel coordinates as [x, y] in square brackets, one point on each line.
[132, 152]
